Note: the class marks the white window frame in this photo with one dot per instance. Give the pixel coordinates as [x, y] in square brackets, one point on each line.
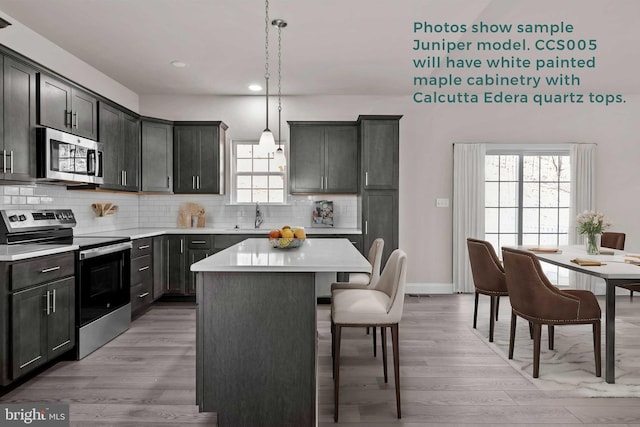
[532, 150]
[233, 174]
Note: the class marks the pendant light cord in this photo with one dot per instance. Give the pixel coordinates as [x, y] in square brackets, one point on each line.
[279, 86]
[266, 61]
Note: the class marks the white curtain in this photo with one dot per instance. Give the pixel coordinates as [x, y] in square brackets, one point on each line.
[583, 158]
[468, 209]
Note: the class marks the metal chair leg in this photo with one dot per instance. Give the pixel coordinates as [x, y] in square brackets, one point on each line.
[336, 373]
[396, 365]
[383, 334]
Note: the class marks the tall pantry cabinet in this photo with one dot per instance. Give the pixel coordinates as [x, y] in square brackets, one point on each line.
[379, 178]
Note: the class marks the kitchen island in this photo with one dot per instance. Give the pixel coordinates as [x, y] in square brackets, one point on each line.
[256, 334]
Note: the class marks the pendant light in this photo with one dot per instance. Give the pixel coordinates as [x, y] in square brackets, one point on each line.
[279, 157]
[267, 143]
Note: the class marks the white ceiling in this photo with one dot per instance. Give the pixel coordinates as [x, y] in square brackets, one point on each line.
[351, 47]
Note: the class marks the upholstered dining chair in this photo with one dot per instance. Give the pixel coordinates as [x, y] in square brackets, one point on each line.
[381, 306]
[488, 278]
[536, 300]
[614, 240]
[365, 280]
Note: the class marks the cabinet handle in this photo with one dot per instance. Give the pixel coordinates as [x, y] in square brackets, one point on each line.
[168, 182]
[321, 182]
[4, 161]
[167, 278]
[193, 182]
[67, 113]
[366, 227]
[121, 177]
[197, 182]
[11, 165]
[125, 177]
[366, 178]
[326, 182]
[47, 303]
[49, 270]
[181, 246]
[143, 247]
[143, 295]
[29, 362]
[53, 299]
[76, 116]
[198, 242]
[146, 267]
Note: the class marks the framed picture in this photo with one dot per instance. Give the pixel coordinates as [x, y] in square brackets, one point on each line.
[322, 214]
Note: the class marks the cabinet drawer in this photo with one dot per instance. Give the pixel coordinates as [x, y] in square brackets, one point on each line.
[40, 270]
[199, 241]
[140, 296]
[141, 270]
[141, 247]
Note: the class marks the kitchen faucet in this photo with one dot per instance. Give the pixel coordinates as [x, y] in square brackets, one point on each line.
[259, 219]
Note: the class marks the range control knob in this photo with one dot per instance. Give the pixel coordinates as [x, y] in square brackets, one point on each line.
[22, 218]
[13, 218]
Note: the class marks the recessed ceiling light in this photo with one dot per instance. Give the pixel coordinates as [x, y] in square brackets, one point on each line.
[178, 64]
[255, 87]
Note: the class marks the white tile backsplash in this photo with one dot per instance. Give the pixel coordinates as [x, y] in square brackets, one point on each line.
[162, 210]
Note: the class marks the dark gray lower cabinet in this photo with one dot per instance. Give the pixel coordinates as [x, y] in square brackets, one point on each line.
[380, 219]
[141, 276]
[159, 266]
[175, 264]
[42, 324]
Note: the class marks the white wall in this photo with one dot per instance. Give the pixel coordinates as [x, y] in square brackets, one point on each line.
[32, 45]
[426, 137]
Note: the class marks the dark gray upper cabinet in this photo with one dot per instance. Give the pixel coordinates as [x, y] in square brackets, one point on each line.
[379, 141]
[66, 108]
[120, 134]
[18, 115]
[131, 152]
[157, 158]
[198, 156]
[323, 158]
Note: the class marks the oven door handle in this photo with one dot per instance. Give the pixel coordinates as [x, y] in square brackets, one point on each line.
[104, 250]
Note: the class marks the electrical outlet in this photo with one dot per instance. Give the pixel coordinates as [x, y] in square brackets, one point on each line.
[442, 203]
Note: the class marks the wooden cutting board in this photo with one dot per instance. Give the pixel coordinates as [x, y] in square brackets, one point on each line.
[187, 211]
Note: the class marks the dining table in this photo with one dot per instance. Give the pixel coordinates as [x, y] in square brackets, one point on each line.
[616, 268]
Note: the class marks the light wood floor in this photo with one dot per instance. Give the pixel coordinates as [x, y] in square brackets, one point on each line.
[146, 377]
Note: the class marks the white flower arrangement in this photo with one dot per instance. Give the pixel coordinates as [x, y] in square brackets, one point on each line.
[592, 222]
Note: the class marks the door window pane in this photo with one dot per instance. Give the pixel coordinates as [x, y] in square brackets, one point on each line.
[531, 207]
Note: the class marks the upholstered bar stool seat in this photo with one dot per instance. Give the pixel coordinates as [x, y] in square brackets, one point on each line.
[364, 280]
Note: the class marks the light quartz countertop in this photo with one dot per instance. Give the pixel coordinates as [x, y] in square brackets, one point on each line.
[139, 233]
[19, 252]
[315, 255]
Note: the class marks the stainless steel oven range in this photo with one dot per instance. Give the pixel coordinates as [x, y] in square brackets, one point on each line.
[103, 307]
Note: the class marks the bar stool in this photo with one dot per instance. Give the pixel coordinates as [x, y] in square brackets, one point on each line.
[381, 306]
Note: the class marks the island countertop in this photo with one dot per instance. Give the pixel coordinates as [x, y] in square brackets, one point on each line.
[315, 255]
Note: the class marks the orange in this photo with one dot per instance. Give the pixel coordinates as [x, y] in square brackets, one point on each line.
[300, 234]
[274, 234]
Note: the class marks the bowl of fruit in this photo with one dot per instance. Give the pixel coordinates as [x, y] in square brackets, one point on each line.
[287, 237]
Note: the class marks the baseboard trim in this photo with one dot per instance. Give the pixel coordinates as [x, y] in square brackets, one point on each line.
[429, 288]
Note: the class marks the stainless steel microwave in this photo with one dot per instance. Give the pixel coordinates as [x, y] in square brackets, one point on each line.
[66, 157]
